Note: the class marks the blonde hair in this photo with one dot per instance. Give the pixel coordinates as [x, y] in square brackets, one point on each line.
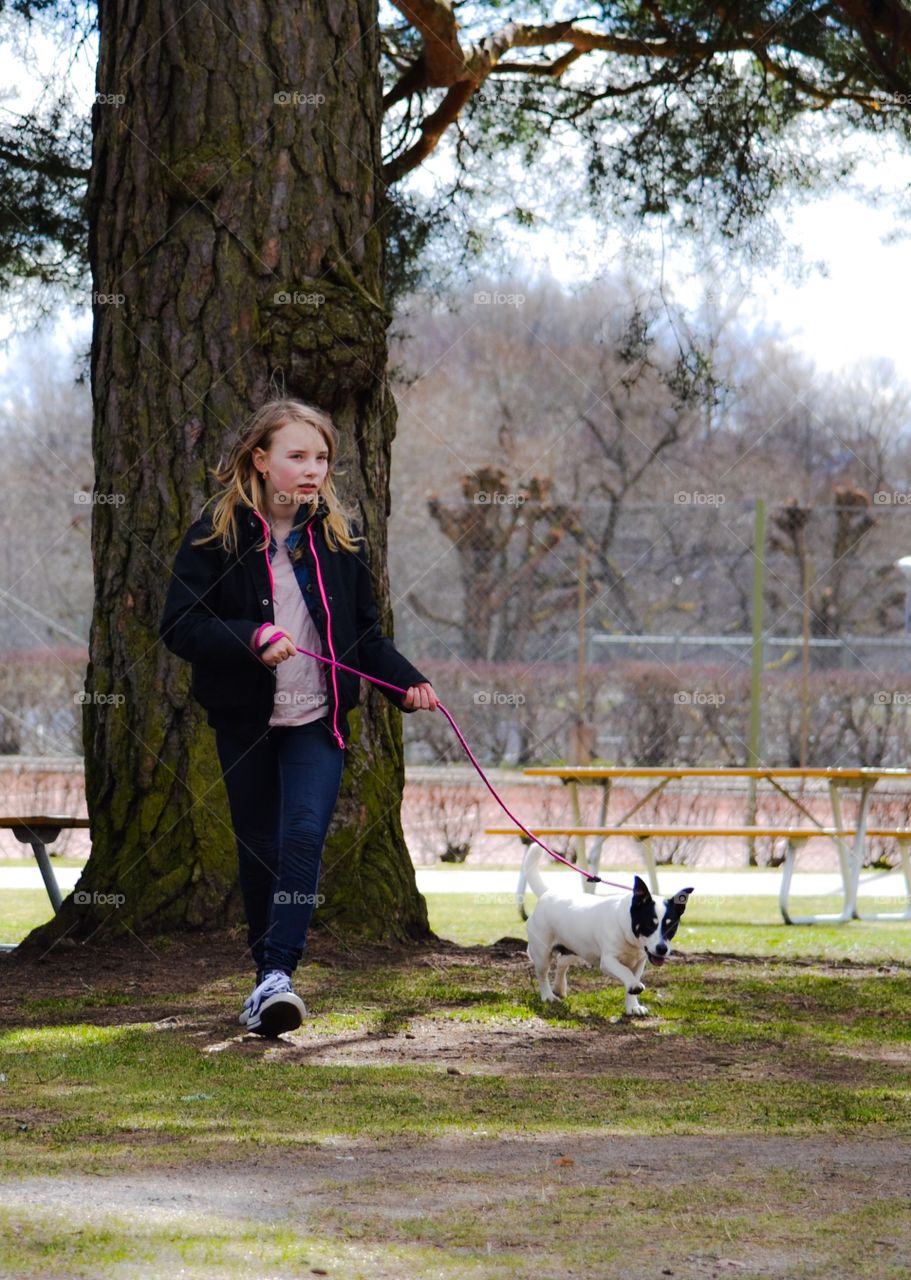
[244, 486]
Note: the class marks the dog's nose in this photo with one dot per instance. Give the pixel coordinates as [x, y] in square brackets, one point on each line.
[661, 949]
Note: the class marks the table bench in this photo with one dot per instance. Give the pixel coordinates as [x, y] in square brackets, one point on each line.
[795, 836]
[850, 843]
[40, 830]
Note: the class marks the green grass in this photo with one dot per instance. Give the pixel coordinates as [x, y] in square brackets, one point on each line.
[22, 910]
[733, 924]
[764, 1032]
[739, 924]
[91, 1093]
[91, 1097]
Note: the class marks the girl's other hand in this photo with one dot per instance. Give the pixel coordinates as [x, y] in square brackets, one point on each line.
[420, 697]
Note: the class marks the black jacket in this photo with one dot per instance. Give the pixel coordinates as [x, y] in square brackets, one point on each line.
[216, 601]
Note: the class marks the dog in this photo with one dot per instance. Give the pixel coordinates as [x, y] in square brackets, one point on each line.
[618, 933]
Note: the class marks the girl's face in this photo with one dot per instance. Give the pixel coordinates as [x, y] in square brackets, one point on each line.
[296, 464]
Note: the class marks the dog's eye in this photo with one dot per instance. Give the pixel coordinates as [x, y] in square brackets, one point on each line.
[644, 919]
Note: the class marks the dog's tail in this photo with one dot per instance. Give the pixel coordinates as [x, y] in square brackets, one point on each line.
[530, 876]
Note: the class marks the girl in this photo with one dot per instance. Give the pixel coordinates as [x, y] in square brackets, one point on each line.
[273, 566]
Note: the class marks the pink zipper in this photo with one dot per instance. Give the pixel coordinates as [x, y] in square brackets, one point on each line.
[268, 536]
[322, 591]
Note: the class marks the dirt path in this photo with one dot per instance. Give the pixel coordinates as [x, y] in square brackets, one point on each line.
[440, 1172]
[339, 1191]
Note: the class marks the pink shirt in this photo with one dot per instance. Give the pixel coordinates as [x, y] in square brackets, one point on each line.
[300, 689]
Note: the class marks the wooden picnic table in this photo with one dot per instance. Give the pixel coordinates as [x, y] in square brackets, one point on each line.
[850, 842]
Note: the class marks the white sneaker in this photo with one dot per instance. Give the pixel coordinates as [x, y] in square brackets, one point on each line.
[248, 1003]
[273, 1007]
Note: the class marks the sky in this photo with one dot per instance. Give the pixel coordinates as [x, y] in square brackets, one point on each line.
[852, 307]
[847, 304]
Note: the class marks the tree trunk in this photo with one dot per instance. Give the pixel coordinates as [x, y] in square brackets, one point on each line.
[236, 247]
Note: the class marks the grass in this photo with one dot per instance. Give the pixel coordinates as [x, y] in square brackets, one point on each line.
[500, 1234]
[765, 1033]
[741, 924]
[22, 910]
[734, 924]
[89, 1093]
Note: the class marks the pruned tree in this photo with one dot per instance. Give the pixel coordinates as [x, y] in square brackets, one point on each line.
[834, 594]
[503, 540]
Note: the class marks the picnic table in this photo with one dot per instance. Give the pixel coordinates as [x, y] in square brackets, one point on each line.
[40, 830]
[850, 841]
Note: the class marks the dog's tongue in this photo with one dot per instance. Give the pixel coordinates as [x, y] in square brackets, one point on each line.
[656, 959]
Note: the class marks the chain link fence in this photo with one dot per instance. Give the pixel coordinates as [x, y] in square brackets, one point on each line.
[606, 631]
[559, 632]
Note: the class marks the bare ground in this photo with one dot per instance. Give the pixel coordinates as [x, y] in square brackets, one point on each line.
[347, 1181]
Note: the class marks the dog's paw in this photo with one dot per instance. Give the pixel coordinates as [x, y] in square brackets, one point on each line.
[637, 1010]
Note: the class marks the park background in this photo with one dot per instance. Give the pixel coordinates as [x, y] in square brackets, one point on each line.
[594, 411]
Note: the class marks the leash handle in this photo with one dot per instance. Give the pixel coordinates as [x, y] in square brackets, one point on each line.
[471, 756]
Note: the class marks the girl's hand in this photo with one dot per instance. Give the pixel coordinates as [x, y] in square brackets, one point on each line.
[278, 652]
[420, 697]
[282, 648]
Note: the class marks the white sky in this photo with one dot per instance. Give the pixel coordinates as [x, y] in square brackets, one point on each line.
[856, 311]
[860, 310]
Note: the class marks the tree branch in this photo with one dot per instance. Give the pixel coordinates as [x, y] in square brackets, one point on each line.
[446, 63]
[435, 22]
[432, 129]
[51, 166]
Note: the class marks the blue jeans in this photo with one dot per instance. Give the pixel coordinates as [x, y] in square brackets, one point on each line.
[282, 788]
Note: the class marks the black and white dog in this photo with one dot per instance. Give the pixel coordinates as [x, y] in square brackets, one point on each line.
[617, 933]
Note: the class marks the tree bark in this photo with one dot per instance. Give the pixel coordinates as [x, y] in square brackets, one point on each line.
[236, 246]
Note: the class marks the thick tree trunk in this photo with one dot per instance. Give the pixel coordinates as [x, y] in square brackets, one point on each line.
[236, 245]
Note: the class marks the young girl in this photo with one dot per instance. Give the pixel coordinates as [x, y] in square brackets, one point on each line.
[276, 565]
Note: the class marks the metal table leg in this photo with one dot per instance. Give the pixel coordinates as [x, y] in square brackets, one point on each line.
[648, 857]
[794, 843]
[847, 856]
[39, 838]
[903, 849]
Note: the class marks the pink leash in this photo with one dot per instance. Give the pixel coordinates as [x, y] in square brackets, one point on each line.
[471, 756]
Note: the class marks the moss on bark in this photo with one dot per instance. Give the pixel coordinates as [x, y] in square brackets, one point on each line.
[209, 197]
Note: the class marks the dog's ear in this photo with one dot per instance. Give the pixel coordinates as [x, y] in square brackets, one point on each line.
[640, 890]
[680, 899]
